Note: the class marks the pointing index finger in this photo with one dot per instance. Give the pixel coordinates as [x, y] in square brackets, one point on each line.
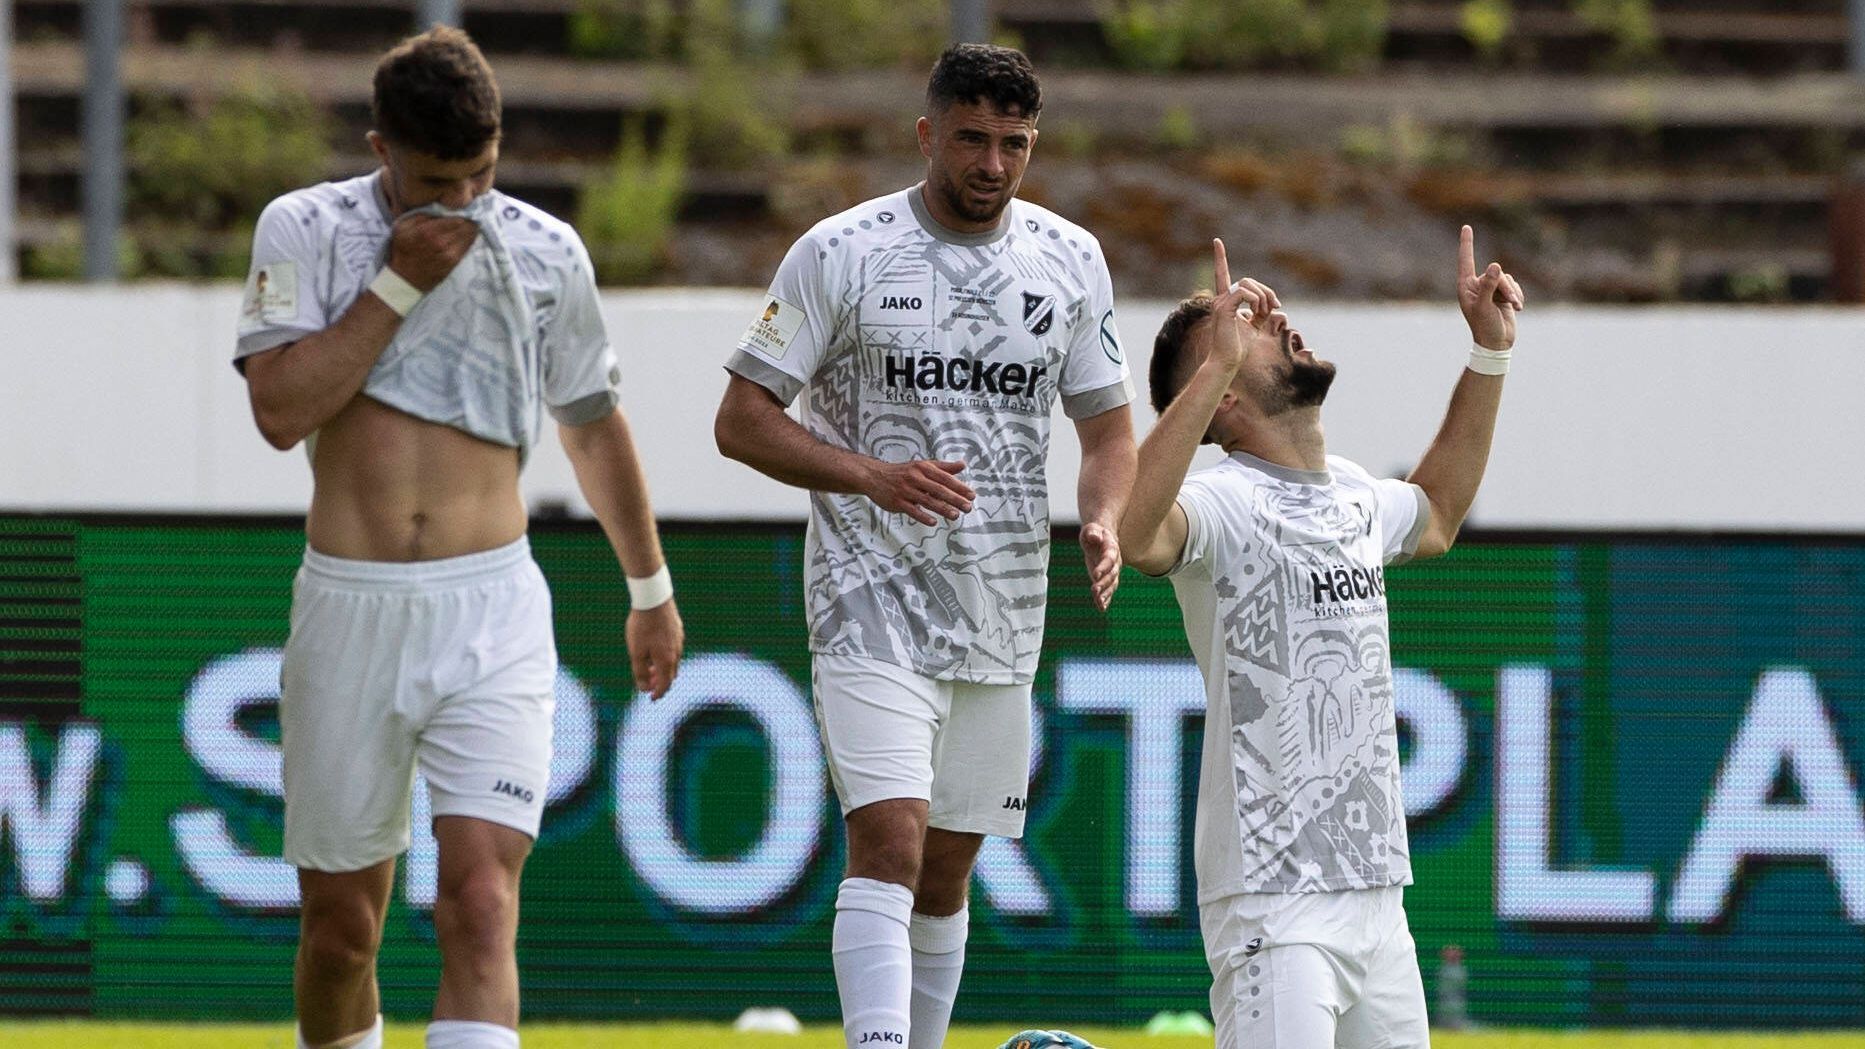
[1220, 266]
[1466, 253]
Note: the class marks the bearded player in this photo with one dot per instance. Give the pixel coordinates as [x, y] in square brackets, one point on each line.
[930, 332]
[1278, 557]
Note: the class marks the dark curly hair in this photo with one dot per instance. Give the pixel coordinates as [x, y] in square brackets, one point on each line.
[1165, 376]
[973, 73]
[435, 94]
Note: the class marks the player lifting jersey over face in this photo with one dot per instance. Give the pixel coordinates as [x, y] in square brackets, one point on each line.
[930, 334]
[418, 323]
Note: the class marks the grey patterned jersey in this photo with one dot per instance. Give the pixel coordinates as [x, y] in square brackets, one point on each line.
[1283, 588]
[911, 341]
[516, 325]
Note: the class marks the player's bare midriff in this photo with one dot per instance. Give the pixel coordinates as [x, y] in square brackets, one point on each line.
[391, 487]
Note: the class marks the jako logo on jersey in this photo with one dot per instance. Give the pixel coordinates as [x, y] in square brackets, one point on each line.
[882, 1037]
[1039, 312]
[901, 302]
[507, 787]
[1342, 583]
[962, 375]
[1014, 804]
[1253, 946]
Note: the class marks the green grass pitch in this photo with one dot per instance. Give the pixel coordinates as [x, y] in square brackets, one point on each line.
[20, 1034]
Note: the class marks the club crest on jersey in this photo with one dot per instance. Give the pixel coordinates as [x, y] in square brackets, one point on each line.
[1039, 312]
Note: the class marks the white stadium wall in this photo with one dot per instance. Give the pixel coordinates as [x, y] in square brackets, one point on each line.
[1676, 418]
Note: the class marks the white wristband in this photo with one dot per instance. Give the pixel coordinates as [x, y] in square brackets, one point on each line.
[1485, 361]
[650, 591]
[395, 290]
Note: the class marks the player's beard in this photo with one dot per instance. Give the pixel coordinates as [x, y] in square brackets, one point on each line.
[1308, 382]
[954, 194]
[1305, 385]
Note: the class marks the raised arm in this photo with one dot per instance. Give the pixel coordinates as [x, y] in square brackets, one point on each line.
[753, 428]
[1452, 468]
[609, 473]
[1153, 528]
[298, 387]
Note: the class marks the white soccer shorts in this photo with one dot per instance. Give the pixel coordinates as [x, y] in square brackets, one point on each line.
[1316, 970]
[891, 733]
[449, 663]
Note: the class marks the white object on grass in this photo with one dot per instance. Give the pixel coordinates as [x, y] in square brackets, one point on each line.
[768, 1021]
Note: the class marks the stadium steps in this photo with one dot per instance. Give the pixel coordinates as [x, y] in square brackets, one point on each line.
[1693, 35]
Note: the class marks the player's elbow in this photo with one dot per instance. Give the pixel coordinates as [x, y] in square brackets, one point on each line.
[728, 433]
[278, 426]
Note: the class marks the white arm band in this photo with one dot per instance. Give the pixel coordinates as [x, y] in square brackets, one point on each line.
[1485, 361]
[394, 290]
[650, 591]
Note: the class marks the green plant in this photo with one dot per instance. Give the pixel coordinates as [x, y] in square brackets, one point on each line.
[852, 34]
[200, 172]
[626, 214]
[1763, 282]
[1486, 25]
[733, 108]
[1631, 25]
[1148, 34]
[1334, 35]
[1178, 129]
[624, 29]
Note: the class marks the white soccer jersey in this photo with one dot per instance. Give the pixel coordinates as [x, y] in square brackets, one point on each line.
[456, 359]
[1283, 590]
[917, 342]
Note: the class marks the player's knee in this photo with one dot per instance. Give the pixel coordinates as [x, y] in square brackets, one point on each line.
[894, 859]
[477, 912]
[338, 943]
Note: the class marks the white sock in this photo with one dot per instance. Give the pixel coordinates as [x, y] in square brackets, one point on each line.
[470, 1034]
[873, 962]
[938, 962]
[370, 1039]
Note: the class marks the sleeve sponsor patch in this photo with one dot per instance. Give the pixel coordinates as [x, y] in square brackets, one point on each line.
[272, 294]
[1110, 340]
[773, 331]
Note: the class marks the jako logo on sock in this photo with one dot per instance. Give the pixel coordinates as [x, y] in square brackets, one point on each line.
[882, 1038]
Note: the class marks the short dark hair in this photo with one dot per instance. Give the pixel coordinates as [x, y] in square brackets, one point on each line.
[435, 94]
[1165, 375]
[973, 73]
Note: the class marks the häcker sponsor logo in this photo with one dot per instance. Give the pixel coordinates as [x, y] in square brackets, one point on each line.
[962, 375]
[1342, 583]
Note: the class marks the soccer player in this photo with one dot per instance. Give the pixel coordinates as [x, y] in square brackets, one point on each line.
[409, 326]
[933, 329]
[1278, 557]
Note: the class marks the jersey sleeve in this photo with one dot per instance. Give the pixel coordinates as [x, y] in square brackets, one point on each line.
[1403, 514]
[790, 337]
[1094, 374]
[580, 370]
[284, 301]
[1203, 529]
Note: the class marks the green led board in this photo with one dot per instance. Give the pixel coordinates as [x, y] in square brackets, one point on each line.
[1631, 768]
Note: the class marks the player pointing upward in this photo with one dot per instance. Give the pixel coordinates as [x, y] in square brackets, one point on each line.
[1278, 556]
[931, 331]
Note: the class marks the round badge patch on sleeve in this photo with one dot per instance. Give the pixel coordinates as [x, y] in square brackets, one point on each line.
[1110, 342]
